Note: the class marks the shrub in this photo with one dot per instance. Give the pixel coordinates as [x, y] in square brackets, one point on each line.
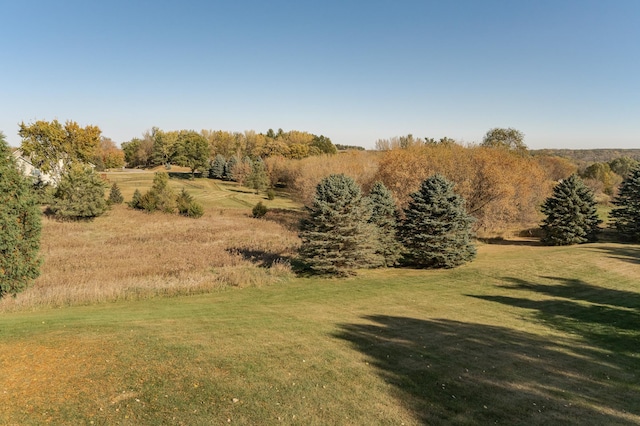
[571, 214]
[337, 237]
[20, 226]
[115, 196]
[80, 195]
[626, 216]
[259, 210]
[271, 194]
[195, 210]
[436, 231]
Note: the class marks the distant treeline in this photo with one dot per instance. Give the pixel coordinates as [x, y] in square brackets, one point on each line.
[581, 156]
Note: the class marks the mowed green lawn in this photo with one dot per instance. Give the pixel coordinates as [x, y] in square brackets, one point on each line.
[524, 335]
[211, 193]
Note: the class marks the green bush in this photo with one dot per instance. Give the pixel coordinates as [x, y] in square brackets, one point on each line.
[187, 206]
[271, 194]
[195, 210]
[259, 210]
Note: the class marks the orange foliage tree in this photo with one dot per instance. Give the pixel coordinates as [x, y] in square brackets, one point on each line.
[503, 190]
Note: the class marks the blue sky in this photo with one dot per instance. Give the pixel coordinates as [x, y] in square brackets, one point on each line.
[566, 73]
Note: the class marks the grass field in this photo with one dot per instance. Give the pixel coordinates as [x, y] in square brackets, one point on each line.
[525, 334]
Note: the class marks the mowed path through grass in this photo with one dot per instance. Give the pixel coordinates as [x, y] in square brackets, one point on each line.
[524, 335]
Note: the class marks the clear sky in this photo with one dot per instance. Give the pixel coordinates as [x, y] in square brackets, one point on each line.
[564, 72]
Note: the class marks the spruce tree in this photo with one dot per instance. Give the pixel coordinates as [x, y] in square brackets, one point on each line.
[115, 196]
[436, 230]
[571, 214]
[626, 216]
[79, 196]
[383, 216]
[19, 226]
[337, 237]
[217, 167]
[229, 168]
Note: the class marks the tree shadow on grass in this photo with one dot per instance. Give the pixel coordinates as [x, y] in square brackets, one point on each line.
[628, 253]
[449, 372]
[261, 258]
[520, 242]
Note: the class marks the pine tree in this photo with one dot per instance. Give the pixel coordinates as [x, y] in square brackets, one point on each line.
[436, 230]
[136, 200]
[187, 206]
[383, 216]
[571, 212]
[79, 196]
[115, 196]
[258, 178]
[160, 197]
[20, 226]
[229, 168]
[217, 167]
[626, 217]
[336, 237]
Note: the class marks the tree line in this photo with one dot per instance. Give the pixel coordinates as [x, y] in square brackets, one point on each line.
[195, 149]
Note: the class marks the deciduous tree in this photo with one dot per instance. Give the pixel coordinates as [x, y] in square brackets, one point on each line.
[510, 138]
[53, 147]
[192, 150]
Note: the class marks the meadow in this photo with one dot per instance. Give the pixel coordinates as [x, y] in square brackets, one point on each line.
[157, 319]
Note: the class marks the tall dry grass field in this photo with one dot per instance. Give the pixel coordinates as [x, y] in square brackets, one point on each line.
[130, 254]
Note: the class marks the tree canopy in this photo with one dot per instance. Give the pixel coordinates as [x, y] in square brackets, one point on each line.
[53, 147]
[509, 138]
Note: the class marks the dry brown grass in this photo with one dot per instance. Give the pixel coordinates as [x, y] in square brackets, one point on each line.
[130, 254]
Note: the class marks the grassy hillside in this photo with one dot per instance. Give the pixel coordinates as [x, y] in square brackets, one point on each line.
[525, 334]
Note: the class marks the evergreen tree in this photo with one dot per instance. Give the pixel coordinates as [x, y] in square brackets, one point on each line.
[160, 197]
[571, 214]
[337, 237]
[115, 196]
[258, 178]
[80, 195]
[383, 215]
[19, 226]
[626, 216]
[436, 230]
[187, 206]
[229, 168]
[136, 200]
[217, 167]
